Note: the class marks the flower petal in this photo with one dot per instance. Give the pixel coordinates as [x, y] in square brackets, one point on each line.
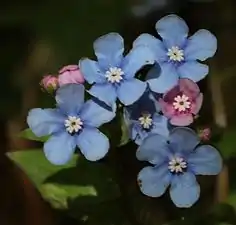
[189, 88]
[183, 139]
[130, 91]
[181, 120]
[160, 125]
[109, 50]
[91, 71]
[184, 190]
[167, 109]
[153, 181]
[202, 45]
[163, 81]
[70, 97]
[154, 44]
[153, 149]
[173, 30]
[59, 148]
[193, 70]
[205, 160]
[137, 58]
[104, 92]
[93, 144]
[94, 114]
[44, 122]
[198, 104]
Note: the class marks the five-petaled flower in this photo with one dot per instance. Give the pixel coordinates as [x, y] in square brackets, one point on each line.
[182, 103]
[113, 74]
[142, 118]
[73, 123]
[176, 54]
[176, 160]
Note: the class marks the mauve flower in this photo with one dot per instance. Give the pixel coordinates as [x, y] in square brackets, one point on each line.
[205, 134]
[182, 103]
[49, 83]
[70, 75]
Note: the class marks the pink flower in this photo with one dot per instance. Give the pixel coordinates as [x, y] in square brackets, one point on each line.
[49, 83]
[182, 103]
[205, 134]
[70, 75]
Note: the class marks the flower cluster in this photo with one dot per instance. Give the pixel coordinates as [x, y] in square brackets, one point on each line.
[156, 110]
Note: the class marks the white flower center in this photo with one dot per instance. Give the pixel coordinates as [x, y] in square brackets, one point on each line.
[114, 75]
[146, 121]
[181, 103]
[177, 165]
[175, 54]
[73, 124]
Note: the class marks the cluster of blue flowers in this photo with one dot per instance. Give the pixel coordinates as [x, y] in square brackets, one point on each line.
[174, 153]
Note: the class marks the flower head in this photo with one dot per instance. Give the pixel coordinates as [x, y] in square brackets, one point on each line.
[204, 134]
[142, 118]
[49, 83]
[176, 160]
[70, 75]
[177, 54]
[112, 75]
[73, 123]
[182, 103]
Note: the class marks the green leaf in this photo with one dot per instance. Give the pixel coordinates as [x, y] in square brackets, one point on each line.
[125, 131]
[28, 134]
[90, 182]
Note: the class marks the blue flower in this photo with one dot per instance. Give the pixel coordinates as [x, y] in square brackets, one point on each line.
[176, 161]
[142, 118]
[73, 123]
[113, 74]
[177, 54]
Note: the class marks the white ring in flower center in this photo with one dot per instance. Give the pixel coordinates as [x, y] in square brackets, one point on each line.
[114, 75]
[181, 103]
[175, 54]
[73, 124]
[146, 121]
[177, 165]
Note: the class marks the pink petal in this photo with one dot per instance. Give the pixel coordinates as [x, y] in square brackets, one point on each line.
[166, 108]
[68, 68]
[182, 120]
[189, 88]
[171, 94]
[196, 106]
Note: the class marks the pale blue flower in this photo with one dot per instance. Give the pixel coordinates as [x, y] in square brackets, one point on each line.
[73, 123]
[176, 160]
[177, 55]
[143, 118]
[112, 75]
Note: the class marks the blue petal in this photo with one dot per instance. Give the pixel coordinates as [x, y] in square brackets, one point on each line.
[130, 91]
[60, 148]
[160, 125]
[153, 181]
[164, 81]
[94, 115]
[154, 44]
[183, 139]
[136, 59]
[193, 70]
[205, 160]
[104, 92]
[202, 45]
[93, 144]
[70, 98]
[184, 190]
[154, 149]
[109, 50]
[44, 122]
[173, 30]
[91, 71]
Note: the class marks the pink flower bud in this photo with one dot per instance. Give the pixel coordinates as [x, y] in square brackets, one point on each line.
[70, 75]
[205, 134]
[49, 83]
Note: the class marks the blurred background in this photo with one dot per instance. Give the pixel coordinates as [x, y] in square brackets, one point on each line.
[40, 37]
